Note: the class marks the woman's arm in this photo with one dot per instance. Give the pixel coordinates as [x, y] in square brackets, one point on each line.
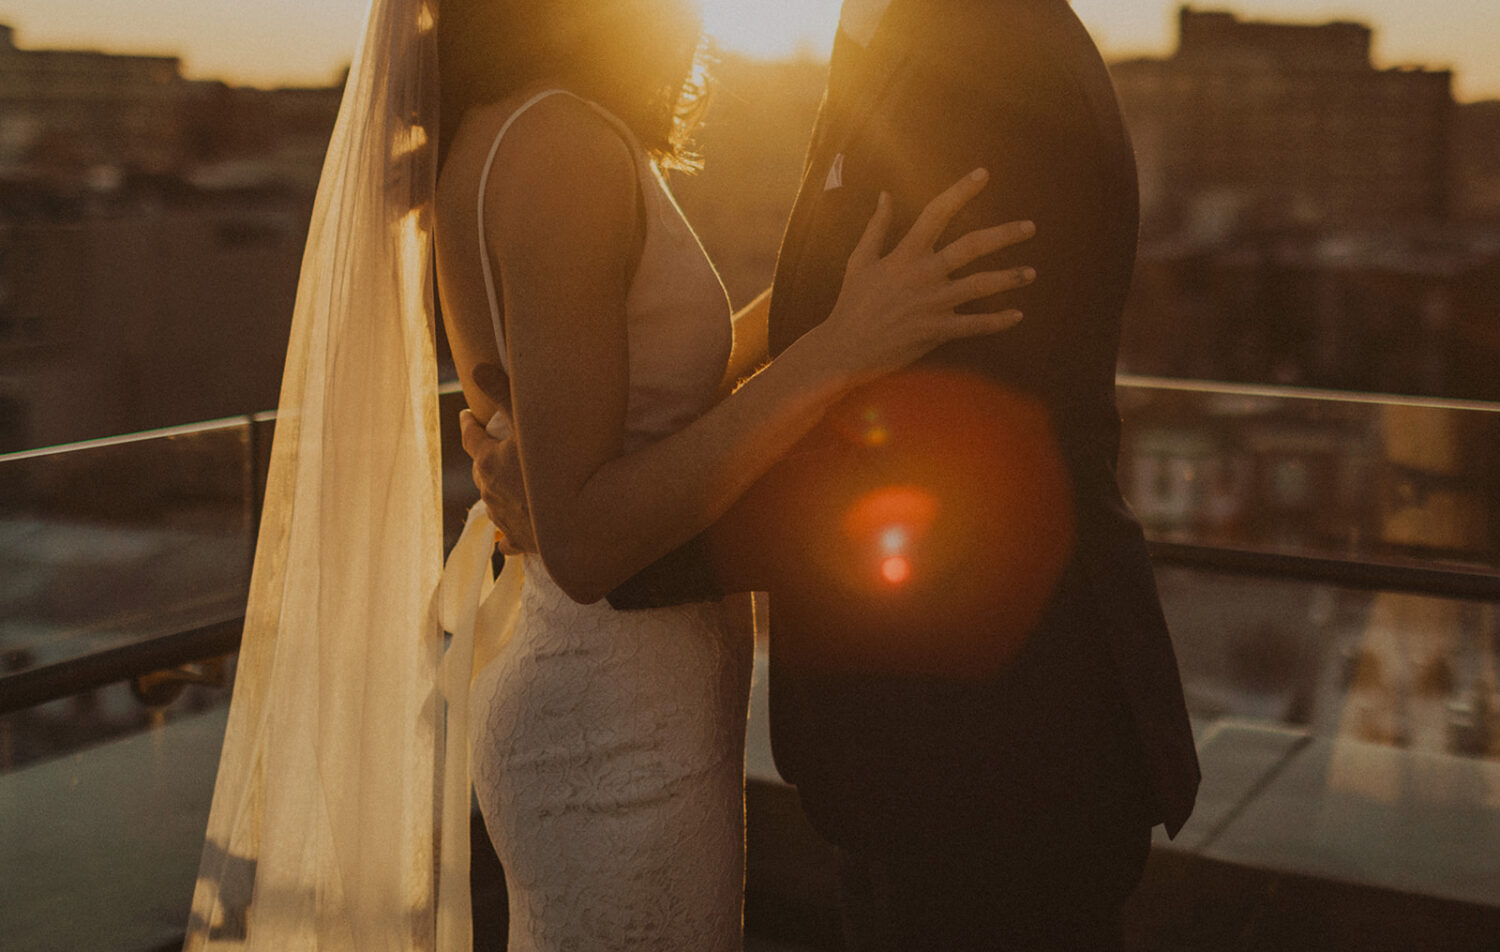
[563, 203]
[751, 342]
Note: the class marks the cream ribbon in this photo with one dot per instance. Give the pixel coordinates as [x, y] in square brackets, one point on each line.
[480, 612]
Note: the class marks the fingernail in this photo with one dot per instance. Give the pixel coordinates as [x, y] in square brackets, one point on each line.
[1029, 227]
[1028, 274]
[885, 198]
[979, 175]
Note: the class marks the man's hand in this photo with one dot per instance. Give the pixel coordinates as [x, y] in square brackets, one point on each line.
[497, 468]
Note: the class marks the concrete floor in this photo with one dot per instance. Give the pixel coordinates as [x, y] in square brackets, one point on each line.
[1360, 845]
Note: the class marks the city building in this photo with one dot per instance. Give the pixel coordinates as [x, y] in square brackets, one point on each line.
[1405, 310]
[1477, 161]
[70, 111]
[151, 311]
[151, 232]
[1273, 123]
[85, 118]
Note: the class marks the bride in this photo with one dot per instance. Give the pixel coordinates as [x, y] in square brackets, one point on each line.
[607, 746]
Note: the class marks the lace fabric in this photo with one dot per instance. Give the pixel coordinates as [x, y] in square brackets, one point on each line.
[608, 753]
[608, 747]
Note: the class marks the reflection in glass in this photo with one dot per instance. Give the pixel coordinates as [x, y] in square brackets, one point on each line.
[1403, 671]
[1373, 479]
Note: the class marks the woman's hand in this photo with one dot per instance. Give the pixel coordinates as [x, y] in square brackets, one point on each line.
[893, 310]
[497, 474]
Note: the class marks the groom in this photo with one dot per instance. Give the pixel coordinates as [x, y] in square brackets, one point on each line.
[972, 684]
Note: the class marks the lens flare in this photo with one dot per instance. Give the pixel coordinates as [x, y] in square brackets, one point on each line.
[894, 540]
[876, 433]
[896, 569]
[886, 527]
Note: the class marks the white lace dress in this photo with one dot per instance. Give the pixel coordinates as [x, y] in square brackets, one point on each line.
[607, 746]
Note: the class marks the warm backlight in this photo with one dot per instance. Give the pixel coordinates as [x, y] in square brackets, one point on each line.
[772, 28]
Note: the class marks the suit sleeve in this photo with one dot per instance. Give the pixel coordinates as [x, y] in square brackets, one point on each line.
[1020, 114]
[682, 576]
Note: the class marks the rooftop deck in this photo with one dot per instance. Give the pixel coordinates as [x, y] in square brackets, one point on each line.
[1341, 658]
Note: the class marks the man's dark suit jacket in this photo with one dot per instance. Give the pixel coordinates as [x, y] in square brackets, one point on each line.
[995, 456]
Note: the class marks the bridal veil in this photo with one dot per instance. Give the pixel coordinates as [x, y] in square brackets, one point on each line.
[326, 823]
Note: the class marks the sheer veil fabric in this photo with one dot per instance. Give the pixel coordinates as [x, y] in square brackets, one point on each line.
[325, 826]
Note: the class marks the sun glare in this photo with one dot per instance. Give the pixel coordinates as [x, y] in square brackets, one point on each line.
[770, 29]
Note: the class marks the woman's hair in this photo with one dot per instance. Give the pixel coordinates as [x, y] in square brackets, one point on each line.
[641, 59]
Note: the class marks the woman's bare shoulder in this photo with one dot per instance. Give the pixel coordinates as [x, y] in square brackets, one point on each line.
[559, 143]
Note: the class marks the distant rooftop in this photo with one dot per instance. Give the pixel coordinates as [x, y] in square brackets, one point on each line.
[163, 68]
[1336, 45]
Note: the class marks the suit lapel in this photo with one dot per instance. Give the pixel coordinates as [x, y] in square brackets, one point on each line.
[845, 113]
[879, 67]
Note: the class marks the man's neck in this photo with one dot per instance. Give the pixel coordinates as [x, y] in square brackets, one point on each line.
[861, 18]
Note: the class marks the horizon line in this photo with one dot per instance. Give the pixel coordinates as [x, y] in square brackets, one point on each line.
[804, 53]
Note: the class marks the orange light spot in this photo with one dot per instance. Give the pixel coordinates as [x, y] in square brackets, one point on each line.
[908, 509]
[896, 569]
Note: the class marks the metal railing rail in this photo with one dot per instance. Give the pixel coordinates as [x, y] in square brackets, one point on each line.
[1284, 392]
[445, 389]
[1125, 381]
[144, 436]
[1458, 584]
[67, 678]
[59, 680]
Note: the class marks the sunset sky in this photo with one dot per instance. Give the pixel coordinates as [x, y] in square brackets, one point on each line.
[268, 42]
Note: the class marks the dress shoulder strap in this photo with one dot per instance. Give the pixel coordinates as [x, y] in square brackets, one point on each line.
[484, 184]
[484, 248]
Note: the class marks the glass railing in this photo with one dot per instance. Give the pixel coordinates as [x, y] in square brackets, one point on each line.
[1328, 563]
[125, 547]
[124, 565]
[1330, 568]
[113, 545]
[1363, 478]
